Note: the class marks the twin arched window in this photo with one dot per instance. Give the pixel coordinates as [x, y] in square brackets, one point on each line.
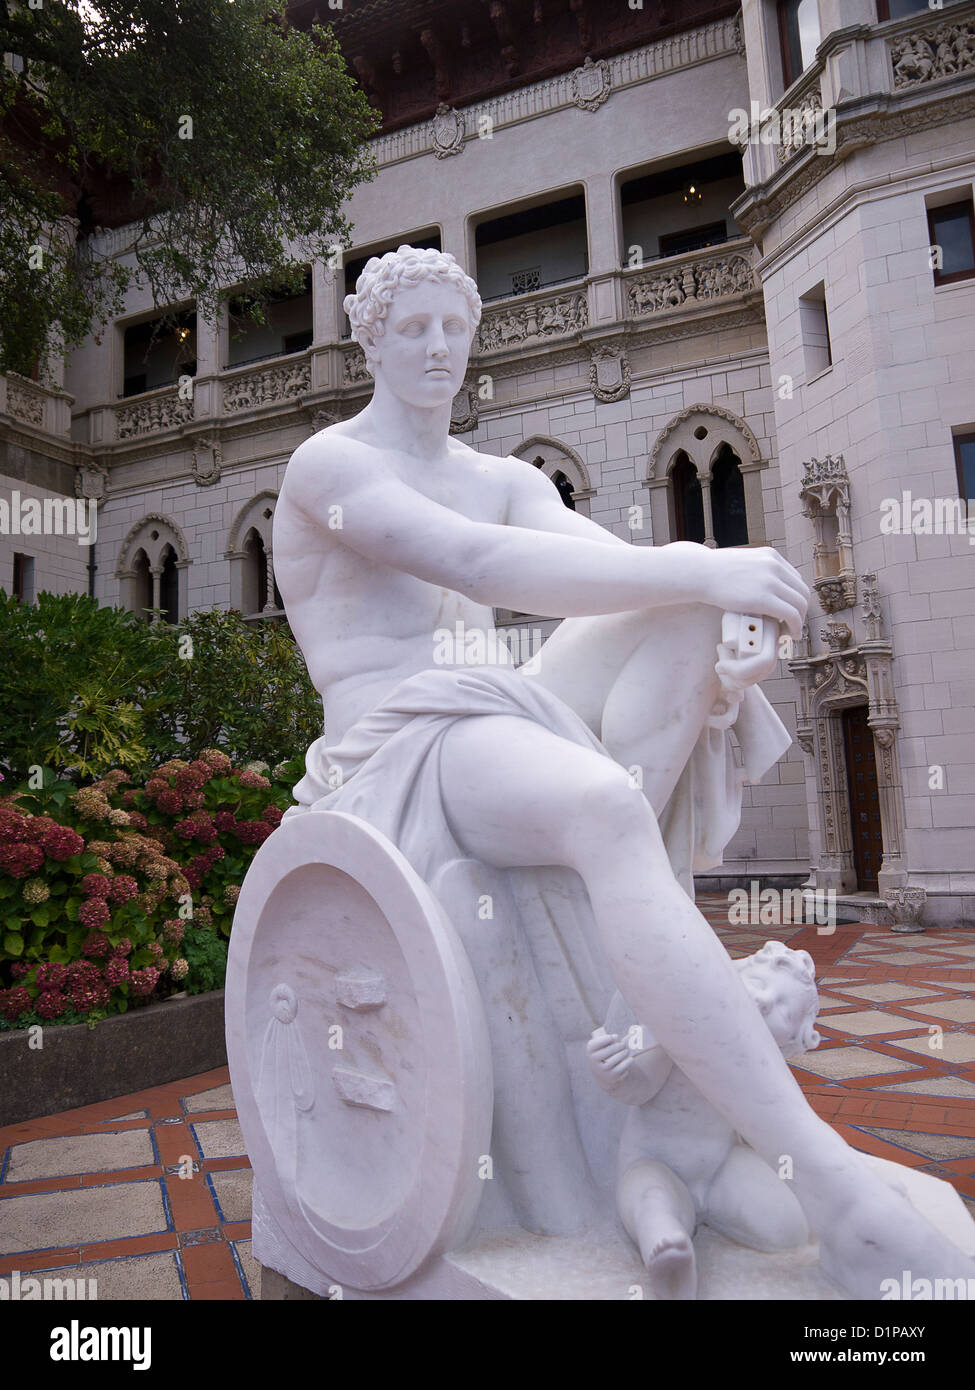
[712, 512]
[151, 570]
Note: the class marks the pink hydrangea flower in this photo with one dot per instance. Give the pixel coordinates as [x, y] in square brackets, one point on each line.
[143, 982]
[97, 944]
[170, 801]
[51, 1004]
[95, 885]
[117, 971]
[14, 1002]
[94, 913]
[122, 888]
[61, 842]
[213, 757]
[51, 975]
[21, 859]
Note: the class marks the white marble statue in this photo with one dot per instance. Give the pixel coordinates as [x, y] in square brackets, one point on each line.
[499, 849]
[681, 1163]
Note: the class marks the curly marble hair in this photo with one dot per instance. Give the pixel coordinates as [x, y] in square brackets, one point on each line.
[775, 955]
[403, 268]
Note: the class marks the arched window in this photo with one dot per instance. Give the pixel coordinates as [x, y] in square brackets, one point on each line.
[728, 499]
[255, 595]
[704, 475]
[169, 586]
[152, 568]
[253, 590]
[563, 465]
[688, 502]
[141, 585]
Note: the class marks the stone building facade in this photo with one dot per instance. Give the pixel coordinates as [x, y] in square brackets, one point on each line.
[710, 312]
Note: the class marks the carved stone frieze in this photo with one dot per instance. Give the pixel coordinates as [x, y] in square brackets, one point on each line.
[927, 54]
[802, 124]
[162, 412]
[25, 402]
[269, 387]
[694, 281]
[354, 369]
[543, 318]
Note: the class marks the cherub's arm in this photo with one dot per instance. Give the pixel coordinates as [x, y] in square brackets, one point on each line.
[629, 1076]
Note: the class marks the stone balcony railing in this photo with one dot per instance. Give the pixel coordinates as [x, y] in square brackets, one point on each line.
[265, 386]
[37, 406]
[533, 318]
[165, 409]
[691, 281]
[862, 76]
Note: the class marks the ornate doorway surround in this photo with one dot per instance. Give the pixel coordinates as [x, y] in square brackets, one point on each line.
[845, 675]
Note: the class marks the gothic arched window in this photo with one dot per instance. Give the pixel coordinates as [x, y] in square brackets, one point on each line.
[141, 585]
[688, 503]
[253, 590]
[728, 499]
[152, 568]
[169, 586]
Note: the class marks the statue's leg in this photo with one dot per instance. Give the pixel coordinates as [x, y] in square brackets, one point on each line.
[517, 796]
[749, 1202]
[658, 1213]
[643, 681]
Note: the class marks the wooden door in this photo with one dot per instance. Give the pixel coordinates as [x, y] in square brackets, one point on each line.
[861, 775]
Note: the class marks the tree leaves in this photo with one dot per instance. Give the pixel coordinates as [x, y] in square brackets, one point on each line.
[215, 133]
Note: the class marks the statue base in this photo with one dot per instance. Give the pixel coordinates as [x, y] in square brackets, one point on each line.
[603, 1265]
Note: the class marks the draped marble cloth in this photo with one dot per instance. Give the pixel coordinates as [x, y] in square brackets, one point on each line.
[386, 770]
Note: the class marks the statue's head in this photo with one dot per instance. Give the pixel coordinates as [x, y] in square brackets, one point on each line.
[782, 983]
[414, 314]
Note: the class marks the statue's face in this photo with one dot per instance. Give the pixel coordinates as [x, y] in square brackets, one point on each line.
[422, 354]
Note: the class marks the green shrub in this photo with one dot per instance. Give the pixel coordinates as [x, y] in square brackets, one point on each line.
[206, 954]
[85, 689]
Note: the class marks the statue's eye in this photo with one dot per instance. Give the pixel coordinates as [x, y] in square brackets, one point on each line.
[413, 329]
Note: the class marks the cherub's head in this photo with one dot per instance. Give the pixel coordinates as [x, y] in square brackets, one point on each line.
[783, 984]
[414, 314]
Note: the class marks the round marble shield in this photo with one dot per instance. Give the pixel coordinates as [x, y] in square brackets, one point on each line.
[358, 1050]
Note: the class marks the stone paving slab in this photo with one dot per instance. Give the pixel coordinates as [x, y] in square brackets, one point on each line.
[46, 1219]
[79, 1153]
[144, 1277]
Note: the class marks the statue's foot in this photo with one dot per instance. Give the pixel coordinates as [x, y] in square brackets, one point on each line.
[671, 1266]
[875, 1240]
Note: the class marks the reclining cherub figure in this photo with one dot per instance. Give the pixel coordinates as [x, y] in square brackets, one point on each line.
[681, 1164]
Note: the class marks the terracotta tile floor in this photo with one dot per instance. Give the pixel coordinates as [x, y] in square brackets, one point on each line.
[149, 1194]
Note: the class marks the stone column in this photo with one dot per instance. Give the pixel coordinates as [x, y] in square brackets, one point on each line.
[156, 572]
[210, 353]
[706, 504]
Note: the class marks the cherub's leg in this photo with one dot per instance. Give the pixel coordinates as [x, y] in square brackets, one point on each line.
[751, 1204]
[658, 1213]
